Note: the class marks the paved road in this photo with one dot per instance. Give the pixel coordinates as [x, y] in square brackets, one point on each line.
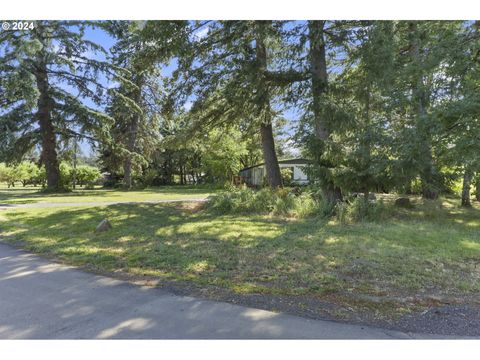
[94, 203]
[42, 299]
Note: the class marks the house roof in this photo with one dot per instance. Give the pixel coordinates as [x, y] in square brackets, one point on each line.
[288, 161]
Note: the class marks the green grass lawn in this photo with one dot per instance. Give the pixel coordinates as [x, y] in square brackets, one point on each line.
[433, 249]
[30, 194]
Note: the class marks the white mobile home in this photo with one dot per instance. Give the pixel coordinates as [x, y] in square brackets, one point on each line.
[253, 175]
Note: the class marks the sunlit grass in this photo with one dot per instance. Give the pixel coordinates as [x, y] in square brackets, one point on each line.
[30, 194]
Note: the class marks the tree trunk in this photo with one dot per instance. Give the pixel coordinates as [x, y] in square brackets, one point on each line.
[181, 175]
[467, 181]
[132, 131]
[127, 172]
[274, 176]
[74, 182]
[47, 131]
[318, 68]
[419, 97]
[477, 188]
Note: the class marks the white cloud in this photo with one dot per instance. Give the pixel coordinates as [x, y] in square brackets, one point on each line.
[292, 149]
[188, 105]
[112, 84]
[200, 34]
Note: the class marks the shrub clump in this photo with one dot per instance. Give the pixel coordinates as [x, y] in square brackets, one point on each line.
[360, 210]
[297, 203]
[264, 202]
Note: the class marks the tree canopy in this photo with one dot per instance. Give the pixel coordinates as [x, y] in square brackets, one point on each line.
[375, 106]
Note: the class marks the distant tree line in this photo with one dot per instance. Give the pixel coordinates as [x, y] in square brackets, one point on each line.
[29, 173]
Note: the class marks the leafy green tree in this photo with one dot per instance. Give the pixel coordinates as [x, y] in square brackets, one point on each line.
[459, 108]
[26, 172]
[133, 101]
[66, 174]
[222, 154]
[87, 174]
[327, 111]
[8, 175]
[40, 178]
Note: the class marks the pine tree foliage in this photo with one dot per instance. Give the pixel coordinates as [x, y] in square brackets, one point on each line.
[46, 76]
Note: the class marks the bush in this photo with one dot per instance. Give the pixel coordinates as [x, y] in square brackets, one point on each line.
[291, 203]
[118, 185]
[287, 176]
[324, 208]
[148, 178]
[111, 183]
[265, 201]
[360, 210]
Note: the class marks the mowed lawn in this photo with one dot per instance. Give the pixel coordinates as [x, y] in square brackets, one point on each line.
[30, 194]
[431, 250]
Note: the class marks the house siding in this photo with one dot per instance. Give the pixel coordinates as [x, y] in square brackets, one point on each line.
[254, 175]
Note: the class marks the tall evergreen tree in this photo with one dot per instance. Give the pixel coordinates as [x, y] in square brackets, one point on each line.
[319, 88]
[422, 53]
[225, 72]
[325, 113]
[46, 74]
[140, 51]
[365, 137]
[135, 102]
